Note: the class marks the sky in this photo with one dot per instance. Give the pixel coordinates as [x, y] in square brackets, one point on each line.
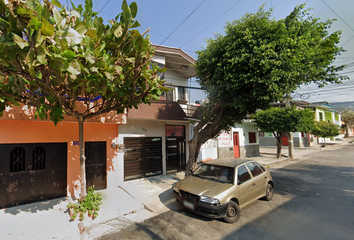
[186, 24]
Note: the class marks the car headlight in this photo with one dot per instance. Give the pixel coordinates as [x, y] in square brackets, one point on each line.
[175, 188]
[209, 200]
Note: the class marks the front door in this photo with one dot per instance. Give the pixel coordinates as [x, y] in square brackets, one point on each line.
[175, 148]
[236, 145]
[95, 165]
[175, 154]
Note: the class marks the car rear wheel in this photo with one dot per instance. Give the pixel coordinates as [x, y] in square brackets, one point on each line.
[269, 192]
[233, 213]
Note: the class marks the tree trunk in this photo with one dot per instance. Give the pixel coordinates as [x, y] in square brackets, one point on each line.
[347, 131]
[82, 157]
[194, 149]
[291, 146]
[279, 143]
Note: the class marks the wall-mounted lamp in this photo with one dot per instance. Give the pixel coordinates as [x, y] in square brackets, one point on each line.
[121, 147]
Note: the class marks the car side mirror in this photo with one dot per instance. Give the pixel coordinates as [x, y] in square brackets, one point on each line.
[238, 182]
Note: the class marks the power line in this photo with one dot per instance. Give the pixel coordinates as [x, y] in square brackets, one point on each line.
[182, 22]
[271, 6]
[338, 15]
[104, 6]
[340, 19]
[212, 23]
[188, 50]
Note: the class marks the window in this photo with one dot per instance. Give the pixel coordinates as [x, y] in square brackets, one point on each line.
[260, 166]
[169, 95]
[243, 175]
[38, 158]
[174, 131]
[261, 134]
[217, 173]
[17, 159]
[255, 170]
[181, 95]
[252, 137]
[162, 75]
[320, 116]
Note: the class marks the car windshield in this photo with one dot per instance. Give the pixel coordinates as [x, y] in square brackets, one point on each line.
[216, 173]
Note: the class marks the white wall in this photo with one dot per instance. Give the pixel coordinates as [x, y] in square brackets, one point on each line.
[146, 128]
[175, 79]
[243, 130]
[208, 150]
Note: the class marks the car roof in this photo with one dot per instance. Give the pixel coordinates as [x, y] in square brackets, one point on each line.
[229, 162]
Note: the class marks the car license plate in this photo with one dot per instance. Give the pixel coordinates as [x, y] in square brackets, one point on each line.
[188, 205]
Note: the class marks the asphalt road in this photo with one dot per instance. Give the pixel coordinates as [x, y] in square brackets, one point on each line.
[314, 199]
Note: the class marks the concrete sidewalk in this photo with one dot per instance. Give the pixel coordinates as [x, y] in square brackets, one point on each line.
[133, 201]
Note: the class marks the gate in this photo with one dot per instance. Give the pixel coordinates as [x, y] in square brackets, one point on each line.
[95, 164]
[175, 154]
[142, 157]
[30, 172]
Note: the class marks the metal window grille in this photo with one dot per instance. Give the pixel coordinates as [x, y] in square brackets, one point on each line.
[17, 159]
[39, 158]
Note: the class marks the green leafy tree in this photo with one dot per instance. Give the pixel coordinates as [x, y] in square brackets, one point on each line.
[325, 129]
[284, 120]
[52, 58]
[348, 119]
[258, 61]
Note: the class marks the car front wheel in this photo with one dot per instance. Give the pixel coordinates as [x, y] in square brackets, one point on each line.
[269, 192]
[233, 212]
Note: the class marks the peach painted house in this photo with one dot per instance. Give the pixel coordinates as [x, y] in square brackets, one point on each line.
[39, 160]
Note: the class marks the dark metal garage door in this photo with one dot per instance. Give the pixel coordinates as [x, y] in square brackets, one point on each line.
[142, 157]
[30, 172]
[95, 164]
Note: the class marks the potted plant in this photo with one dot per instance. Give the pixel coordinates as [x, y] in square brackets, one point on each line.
[90, 204]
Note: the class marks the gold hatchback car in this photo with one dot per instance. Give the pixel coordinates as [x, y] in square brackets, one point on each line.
[219, 188]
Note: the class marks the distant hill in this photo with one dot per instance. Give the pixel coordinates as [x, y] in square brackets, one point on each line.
[342, 105]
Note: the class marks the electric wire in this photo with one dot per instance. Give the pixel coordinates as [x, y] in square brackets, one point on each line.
[182, 22]
[211, 23]
[104, 6]
[271, 6]
[340, 19]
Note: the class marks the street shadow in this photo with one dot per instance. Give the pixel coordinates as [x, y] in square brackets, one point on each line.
[35, 207]
[320, 205]
[173, 177]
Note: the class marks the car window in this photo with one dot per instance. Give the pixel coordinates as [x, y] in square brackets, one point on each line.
[217, 173]
[243, 175]
[260, 166]
[254, 169]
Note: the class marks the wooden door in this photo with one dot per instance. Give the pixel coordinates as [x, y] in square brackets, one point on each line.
[236, 145]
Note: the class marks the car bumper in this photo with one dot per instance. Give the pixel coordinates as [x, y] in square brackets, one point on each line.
[200, 208]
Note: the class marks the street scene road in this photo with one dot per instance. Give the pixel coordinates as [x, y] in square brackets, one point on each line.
[313, 200]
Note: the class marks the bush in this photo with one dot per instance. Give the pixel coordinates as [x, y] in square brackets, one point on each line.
[91, 204]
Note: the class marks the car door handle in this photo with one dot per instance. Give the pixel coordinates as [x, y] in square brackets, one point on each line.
[265, 177]
[253, 184]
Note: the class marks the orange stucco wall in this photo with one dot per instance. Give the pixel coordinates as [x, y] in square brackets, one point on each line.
[14, 131]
